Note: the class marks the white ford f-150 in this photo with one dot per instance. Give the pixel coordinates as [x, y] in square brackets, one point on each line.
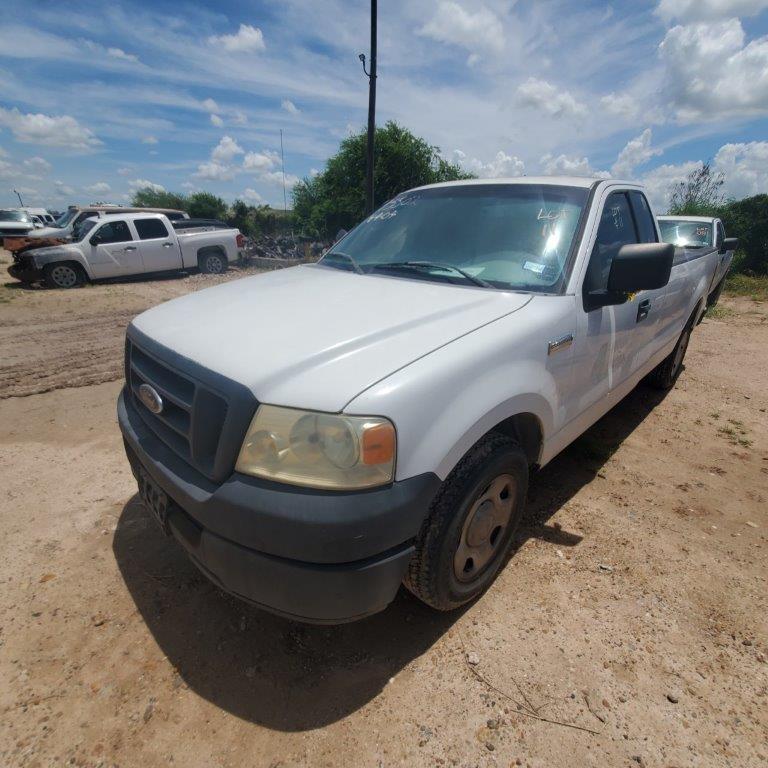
[316, 436]
[702, 233]
[124, 245]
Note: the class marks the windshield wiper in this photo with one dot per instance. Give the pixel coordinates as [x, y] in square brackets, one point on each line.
[346, 258]
[432, 265]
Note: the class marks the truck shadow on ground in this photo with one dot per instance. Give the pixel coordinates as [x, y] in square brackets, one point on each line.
[293, 677]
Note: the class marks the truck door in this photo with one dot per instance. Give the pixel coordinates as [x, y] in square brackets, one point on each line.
[159, 247]
[613, 342]
[111, 250]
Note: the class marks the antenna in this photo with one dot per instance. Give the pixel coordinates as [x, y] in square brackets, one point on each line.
[21, 202]
[282, 161]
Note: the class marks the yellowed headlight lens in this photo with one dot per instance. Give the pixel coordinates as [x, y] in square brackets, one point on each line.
[319, 450]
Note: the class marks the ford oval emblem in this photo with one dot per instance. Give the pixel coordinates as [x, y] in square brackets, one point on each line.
[150, 397]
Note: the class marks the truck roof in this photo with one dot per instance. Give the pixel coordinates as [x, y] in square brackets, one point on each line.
[560, 181]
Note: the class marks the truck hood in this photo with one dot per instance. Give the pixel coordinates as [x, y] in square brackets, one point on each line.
[315, 337]
[51, 232]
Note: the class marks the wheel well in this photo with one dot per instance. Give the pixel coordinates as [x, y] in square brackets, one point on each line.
[525, 428]
[203, 252]
[76, 265]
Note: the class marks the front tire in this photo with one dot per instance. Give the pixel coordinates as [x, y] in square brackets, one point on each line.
[469, 530]
[63, 275]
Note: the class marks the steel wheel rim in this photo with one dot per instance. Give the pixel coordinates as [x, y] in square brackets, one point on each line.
[64, 276]
[215, 264]
[484, 527]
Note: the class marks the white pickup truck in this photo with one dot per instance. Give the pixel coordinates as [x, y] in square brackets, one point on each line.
[330, 431]
[702, 233]
[125, 245]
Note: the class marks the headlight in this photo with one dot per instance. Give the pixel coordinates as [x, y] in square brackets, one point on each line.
[320, 450]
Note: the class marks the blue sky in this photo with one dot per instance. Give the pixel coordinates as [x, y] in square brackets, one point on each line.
[97, 99]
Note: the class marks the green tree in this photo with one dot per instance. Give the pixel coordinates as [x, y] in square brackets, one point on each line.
[699, 194]
[240, 216]
[335, 198]
[747, 219]
[206, 205]
[147, 197]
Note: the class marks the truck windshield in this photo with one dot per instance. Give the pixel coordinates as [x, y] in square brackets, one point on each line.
[686, 234]
[65, 218]
[512, 237]
[14, 216]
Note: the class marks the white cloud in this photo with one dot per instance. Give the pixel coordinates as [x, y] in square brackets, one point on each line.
[125, 171]
[260, 161]
[622, 105]
[209, 105]
[239, 118]
[119, 53]
[502, 165]
[37, 165]
[290, 107]
[275, 178]
[137, 184]
[217, 121]
[247, 38]
[52, 131]
[99, 188]
[189, 186]
[479, 32]
[711, 73]
[226, 150]
[252, 194]
[149, 140]
[63, 189]
[214, 171]
[563, 165]
[659, 181]
[547, 98]
[745, 167]
[703, 10]
[636, 152]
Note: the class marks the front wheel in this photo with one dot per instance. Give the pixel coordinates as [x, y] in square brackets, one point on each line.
[63, 275]
[469, 530]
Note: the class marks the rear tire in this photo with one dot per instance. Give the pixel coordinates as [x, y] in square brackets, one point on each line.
[213, 263]
[468, 533]
[63, 275]
[666, 373]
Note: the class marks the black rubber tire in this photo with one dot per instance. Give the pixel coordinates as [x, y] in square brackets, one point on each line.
[430, 575]
[213, 262]
[64, 275]
[714, 297]
[666, 373]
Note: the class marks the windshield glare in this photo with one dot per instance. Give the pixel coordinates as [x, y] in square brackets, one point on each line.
[65, 218]
[514, 236]
[686, 234]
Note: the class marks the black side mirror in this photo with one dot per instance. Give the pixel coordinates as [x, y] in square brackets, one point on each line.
[94, 239]
[729, 244]
[636, 267]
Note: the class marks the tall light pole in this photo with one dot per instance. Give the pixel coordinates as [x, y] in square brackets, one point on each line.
[369, 204]
[21, 202]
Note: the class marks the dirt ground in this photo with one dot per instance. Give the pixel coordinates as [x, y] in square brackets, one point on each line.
[630, 628]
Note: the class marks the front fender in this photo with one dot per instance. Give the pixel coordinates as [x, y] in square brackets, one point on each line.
[43, 256]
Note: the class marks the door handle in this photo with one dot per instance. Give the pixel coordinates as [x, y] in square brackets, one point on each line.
[129, 248]
[643, 308]
[167, 245]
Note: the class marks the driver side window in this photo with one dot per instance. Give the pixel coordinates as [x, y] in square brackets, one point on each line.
[617, 228]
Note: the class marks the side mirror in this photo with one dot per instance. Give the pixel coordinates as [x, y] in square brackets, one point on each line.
[94, 239]
[636, 267]
[729, 244]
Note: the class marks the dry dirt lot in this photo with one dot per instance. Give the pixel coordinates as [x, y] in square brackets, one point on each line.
[630, 627]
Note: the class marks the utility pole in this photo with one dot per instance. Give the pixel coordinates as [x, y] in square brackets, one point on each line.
[282, 162]
[21, 202]
[369, 204]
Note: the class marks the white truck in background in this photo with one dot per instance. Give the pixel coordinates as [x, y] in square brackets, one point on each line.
[127, 245]
[697, 234]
